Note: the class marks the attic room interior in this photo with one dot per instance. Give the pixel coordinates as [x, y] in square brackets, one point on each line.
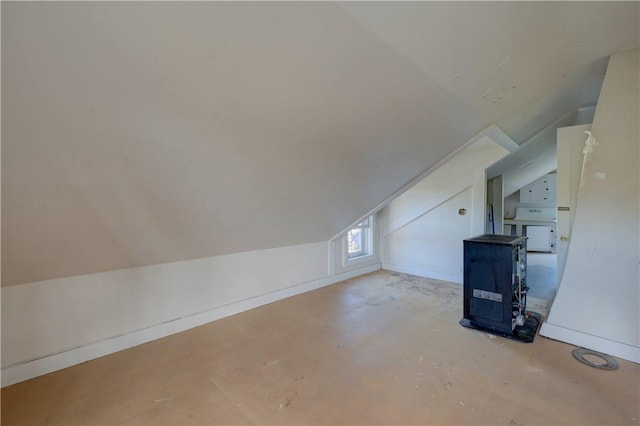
[262, 212]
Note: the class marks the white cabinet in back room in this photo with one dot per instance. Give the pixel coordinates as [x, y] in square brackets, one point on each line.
[540, 238]
[541, 191]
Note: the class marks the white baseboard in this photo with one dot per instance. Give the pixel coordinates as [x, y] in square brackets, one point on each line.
[589, 341]
[423, 273]
[29, 369]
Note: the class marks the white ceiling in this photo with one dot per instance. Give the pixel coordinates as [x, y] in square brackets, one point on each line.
[147, 132]
[522, 64]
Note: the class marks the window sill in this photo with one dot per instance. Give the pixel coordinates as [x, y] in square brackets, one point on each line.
[360, 260]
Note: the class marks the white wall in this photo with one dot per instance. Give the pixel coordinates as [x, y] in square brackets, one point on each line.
[140, 133]
[598, 301]
[510, 204]
[432, 244]
[422, 232]
[53, 324]
[570, 158]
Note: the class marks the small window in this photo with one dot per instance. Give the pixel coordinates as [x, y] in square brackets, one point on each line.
[359, 240]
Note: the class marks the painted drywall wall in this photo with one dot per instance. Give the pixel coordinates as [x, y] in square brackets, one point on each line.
[449, 179]
[510, 204]
[138, 133]
[422, 231]
[431, 245]
[598, 301]
[570, 159]
[53, 324]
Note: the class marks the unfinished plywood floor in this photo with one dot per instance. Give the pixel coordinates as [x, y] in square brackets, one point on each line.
[384, 348]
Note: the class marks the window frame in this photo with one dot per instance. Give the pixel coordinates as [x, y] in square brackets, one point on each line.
[368, 251]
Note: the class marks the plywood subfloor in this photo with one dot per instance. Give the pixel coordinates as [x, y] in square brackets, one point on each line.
[384, 348]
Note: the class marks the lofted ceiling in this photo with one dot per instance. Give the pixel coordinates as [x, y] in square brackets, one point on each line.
[136, 133]
[521, 64]
[537, 156]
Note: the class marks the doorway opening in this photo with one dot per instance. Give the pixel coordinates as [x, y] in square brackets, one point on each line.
[542, 278]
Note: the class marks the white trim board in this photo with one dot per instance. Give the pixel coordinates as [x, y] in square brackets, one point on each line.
[589, 341]
[29, 369]
[423, 273]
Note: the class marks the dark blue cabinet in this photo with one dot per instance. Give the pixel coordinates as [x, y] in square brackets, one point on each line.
[495, 282]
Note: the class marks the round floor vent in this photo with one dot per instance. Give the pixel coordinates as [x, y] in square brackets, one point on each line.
[608, 364]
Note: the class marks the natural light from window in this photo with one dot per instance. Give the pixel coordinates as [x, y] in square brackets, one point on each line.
[358, 240]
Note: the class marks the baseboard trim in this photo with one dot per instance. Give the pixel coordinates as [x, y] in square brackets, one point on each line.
[32, 368]
[589, 341]
[423, 273]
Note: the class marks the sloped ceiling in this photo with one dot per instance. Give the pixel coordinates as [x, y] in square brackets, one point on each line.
[147, 132]
[534, 159]
[522, 64]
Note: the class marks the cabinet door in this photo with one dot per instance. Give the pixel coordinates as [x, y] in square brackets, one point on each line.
[532, 193]
[539, 238]
[541, 191]
[549, 190]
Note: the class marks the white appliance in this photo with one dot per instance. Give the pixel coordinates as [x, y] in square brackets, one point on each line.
[539, 225]
[534, 214]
